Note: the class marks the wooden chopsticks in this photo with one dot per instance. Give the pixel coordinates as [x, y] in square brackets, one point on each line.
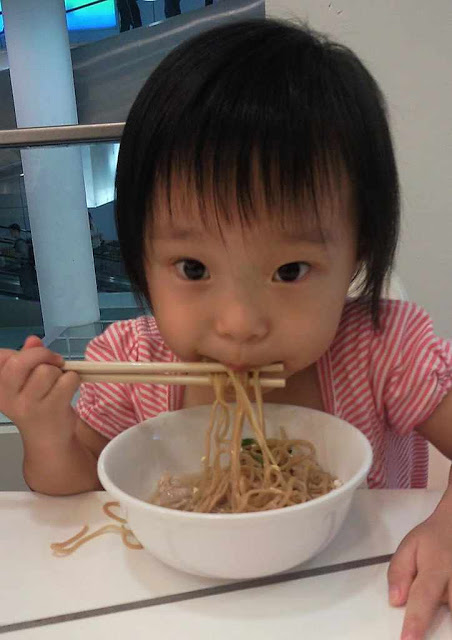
[180, 373]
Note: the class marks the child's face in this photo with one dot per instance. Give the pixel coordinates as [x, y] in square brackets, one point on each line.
[251, 296]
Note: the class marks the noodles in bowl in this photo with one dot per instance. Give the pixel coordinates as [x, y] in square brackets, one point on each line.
[245, 474]
[222, 544]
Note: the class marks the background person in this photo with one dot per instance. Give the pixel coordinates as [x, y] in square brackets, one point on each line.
[129, 15]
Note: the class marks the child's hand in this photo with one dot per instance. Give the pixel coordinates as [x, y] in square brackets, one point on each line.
[420, 573]
[34, 392]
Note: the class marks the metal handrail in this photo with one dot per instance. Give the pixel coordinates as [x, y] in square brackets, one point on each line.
[64, 134]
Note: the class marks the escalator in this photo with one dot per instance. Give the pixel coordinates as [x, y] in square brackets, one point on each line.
[110, 276]
[10, 284]
[109, 73]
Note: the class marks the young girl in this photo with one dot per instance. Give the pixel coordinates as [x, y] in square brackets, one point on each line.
[256, 180]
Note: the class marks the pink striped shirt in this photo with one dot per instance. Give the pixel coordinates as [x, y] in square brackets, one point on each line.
[385, 383]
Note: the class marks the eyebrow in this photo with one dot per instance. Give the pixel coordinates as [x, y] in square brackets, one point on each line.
[312, 235]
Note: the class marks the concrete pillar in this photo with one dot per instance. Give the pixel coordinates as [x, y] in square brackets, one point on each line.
[43, 89]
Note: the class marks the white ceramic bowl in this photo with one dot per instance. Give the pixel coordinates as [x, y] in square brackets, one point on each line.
[230, 545]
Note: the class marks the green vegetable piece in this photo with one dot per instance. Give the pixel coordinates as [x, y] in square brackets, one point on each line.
[247, 442]
[259, 458]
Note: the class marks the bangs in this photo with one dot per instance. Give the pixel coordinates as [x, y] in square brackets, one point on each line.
[244, 145]
[243, 182]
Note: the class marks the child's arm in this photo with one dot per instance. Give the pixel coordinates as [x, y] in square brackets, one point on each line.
[420, 573]
[67, 466]
[60, 450]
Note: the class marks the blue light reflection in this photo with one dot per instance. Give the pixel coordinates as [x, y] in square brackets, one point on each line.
[97, 16]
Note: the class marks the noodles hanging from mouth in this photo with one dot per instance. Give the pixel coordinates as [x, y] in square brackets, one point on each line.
[243, 475]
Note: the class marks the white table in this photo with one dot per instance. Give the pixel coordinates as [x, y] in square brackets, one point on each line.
[107, 591]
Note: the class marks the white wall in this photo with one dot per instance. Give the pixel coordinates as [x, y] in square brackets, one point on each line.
[407, 45]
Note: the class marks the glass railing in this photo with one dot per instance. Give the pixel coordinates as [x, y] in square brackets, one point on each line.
[20, 302]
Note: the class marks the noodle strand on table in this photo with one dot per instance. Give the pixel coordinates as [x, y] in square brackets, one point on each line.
[67, 547]
[254, 474]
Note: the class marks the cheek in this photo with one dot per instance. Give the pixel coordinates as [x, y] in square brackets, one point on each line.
[176, 334]
[177, 322]
[314, 335]
[307, 330]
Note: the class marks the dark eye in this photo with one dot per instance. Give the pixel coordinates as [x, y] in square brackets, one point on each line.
[192, 269]
[291, 272]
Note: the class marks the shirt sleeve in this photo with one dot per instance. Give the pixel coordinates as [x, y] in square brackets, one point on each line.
[108, 407]
[421, 372]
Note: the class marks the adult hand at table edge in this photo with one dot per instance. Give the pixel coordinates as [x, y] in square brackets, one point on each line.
[420, 573]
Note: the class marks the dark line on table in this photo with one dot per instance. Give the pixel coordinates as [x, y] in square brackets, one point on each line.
[241, 585]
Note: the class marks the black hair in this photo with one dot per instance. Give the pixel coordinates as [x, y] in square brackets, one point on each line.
[261, 93]
[14, 227]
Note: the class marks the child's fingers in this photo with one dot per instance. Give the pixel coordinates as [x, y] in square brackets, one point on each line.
[17, 367]
[5, 354]
[65, 388]
[32, 341]
[423, 601]
[401, 573]
[41, 381]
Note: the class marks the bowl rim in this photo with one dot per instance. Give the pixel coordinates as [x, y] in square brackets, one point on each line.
[122, 496]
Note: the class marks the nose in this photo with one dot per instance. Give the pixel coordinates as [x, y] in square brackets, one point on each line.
[241, 317]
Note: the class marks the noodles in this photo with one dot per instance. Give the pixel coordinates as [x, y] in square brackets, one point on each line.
[244, 475]
[72, 544]
[238, 475]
